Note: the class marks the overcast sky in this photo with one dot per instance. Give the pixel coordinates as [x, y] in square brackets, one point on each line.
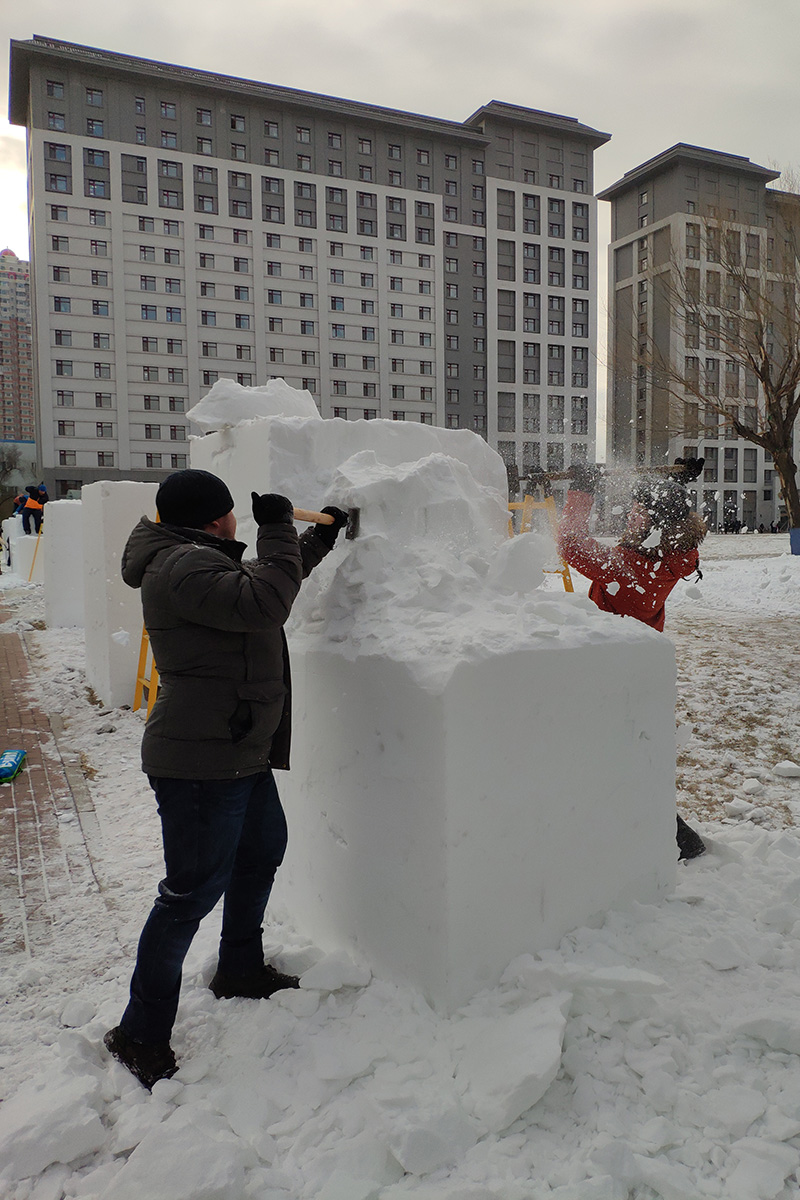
[717, 73]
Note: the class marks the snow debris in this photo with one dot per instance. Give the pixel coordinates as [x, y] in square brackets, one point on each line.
[787, 769]
[509, 1063]
[333, 972]
[50, 1120]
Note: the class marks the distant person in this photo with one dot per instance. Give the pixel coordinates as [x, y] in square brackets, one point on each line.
[220, 725]
[33, 509]
[658, 548]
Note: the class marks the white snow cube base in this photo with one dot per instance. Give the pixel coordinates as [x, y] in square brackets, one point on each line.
[440, 835]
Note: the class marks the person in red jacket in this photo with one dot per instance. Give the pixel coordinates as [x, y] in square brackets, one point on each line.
[658, 548]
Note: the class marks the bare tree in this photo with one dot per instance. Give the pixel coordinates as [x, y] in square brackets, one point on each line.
[745, 307]
[9, 461]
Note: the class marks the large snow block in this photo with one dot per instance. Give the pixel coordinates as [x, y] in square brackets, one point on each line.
[113, 610]
[64, 568]
[440, 831]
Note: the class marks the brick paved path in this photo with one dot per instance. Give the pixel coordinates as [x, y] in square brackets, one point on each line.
[44, 813]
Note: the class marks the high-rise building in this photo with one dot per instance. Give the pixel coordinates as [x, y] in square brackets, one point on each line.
[17, 423]
[676, 221]
[189, 226]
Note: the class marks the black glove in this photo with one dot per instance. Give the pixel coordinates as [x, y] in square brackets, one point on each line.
[271, 509]
[585, 477]
[692, 469]
[329, 533]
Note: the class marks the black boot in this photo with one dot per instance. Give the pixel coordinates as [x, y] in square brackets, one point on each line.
[149, 1062]
[690, 844]
[253, 985]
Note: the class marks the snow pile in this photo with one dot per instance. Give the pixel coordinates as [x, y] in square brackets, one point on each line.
[228, 404]
[678, 1064]
[771, 586]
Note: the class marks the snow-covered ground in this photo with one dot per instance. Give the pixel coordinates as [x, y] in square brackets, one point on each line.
[678, 1075]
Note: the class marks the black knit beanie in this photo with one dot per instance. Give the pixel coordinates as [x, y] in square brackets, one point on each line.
[192, 499]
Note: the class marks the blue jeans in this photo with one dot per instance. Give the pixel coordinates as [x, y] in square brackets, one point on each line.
[221, 837]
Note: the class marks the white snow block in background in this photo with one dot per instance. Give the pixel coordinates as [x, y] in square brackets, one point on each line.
[24, 553]
[12, 529]
[110, 511]
[64, 568]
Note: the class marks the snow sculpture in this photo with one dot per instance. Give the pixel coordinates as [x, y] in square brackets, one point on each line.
[477, 768]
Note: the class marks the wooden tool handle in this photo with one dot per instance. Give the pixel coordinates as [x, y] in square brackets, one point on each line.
[304, 514]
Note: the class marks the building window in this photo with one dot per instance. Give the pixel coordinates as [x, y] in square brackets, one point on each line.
[169, 139]
[66, 428]
[149, 312]
[56, 121]
[177, 433]
[104, 429]
[204, 145]
[94, 128]
[152, 460]
[62, 304]
[99, 278]
[152, 433]
[63, 367]
[102, 370]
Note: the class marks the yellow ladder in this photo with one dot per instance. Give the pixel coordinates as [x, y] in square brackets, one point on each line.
[144, 682]
[527, 507]
[36, 549]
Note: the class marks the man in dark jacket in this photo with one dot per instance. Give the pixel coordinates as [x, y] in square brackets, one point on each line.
[634, 578]
[220, 724]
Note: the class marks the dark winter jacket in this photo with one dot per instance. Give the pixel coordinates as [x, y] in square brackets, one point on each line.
[627, 581]
[216, 631]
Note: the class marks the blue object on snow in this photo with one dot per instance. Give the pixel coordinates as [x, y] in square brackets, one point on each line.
[794, 540]
[11, 763]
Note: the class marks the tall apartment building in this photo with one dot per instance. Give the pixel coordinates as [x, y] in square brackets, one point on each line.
[668, 216]
[17, 423]
[188, 226]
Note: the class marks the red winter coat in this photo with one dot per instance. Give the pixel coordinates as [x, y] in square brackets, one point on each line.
[642, 582]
